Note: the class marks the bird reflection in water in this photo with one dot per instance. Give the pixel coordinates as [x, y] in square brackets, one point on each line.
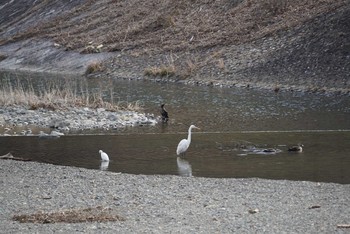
[184, 167]
[104, 165]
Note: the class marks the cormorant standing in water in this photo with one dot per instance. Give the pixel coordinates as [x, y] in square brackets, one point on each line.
[164, 113]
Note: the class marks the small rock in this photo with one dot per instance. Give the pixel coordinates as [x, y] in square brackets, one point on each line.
[253, 211]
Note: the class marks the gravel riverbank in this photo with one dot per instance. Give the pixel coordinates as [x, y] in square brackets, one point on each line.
[168, 204]
[18, 120]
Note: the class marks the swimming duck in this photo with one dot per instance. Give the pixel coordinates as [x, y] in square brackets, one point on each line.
[269, 150]
[296, 148]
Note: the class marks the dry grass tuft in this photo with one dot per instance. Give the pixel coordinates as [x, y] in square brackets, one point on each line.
[164, 70]
[36, 106]
[94, 214]
[2, 57]
[94, 67]
[55, 95]
[191, 66]
[136, 106]
[221, 64]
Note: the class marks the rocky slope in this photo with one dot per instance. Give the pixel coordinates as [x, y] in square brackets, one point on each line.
[275, 44]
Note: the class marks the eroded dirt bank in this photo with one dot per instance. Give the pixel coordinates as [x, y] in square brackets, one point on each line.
[298, 45]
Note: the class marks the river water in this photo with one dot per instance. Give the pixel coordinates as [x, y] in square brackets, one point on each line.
[237, 125]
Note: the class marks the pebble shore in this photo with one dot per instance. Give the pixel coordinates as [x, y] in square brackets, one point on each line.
[72, 119]
[169, 204]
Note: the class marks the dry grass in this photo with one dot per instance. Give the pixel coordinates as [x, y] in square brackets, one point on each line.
[186, 65]
[2, 57]
[185, 28]
[94, 67]
[95, 214]
[191, 66]
[60, 94]
[162, 71]
[221, 64]
[172, 25]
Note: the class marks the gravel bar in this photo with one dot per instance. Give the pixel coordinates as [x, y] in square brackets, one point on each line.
[65, 120]
[169, 204]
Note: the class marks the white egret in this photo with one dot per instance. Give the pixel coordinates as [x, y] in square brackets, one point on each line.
[104, 156]
[297, 148]
[185, 143]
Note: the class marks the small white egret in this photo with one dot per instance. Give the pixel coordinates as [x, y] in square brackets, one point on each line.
[104, 156]
[185, 143]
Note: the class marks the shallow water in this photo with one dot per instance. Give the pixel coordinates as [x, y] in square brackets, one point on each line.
[235, 155]
[236, 126]
[237, 109]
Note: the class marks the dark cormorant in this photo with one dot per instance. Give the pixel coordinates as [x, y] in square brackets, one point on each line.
[164, 113]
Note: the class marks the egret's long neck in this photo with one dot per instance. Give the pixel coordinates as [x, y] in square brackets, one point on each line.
[189, 135]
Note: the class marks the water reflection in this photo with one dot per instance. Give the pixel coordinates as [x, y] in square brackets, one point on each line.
[226, 116]
[325, 157]
[104, 165]
[244, 148]
[184, 167]
[262, 151]
[218, 109]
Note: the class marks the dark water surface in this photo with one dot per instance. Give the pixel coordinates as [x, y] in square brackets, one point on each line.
[236, 126]
[325, 157]
[237, 109]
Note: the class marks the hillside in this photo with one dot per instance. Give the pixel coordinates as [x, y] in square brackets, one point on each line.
[297, 44]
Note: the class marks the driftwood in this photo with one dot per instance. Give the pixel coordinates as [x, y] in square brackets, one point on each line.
[314, 207]
[343, 226]
[11, 157]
